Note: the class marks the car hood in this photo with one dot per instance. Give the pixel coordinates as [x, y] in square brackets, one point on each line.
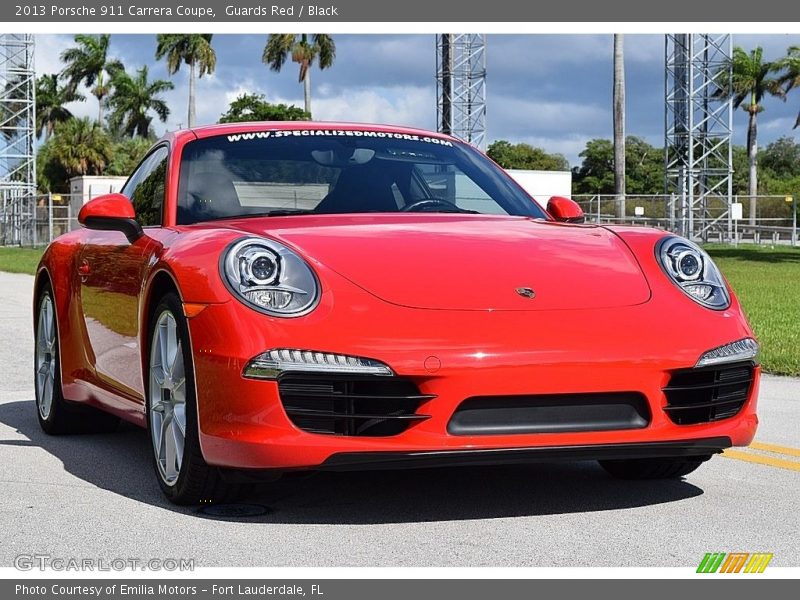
[467, 262]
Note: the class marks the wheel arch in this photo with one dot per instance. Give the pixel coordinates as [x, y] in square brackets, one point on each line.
[46, 276]
[161, 282]
[42, 277]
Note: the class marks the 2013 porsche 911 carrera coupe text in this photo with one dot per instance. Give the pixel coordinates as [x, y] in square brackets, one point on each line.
[269, 297]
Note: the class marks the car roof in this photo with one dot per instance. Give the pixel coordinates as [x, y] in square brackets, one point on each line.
[205, 131]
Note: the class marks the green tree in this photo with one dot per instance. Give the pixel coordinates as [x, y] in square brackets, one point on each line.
[740, 170]
[254, 107]
[50, 101]
[87, 62]
[596, 172]
[752, 80]
[133, 101]
[77, 147]
[790, 73]
[782, 157]
[525, 156]
[644, 168]
[304, 49]
[127, 154]
[50, 174]
[195, 51]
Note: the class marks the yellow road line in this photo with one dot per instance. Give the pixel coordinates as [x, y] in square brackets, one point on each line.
[762, 460]
[775, 448]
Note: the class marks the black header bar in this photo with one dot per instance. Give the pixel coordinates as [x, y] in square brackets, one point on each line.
[326, 11]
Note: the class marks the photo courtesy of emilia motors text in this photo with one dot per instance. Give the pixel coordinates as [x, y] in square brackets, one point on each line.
[351, 300]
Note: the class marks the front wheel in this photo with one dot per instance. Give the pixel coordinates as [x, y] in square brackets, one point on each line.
[653, 468]
[182, 473]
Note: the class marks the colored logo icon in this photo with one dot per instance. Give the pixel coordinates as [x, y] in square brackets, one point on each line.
[734, 562]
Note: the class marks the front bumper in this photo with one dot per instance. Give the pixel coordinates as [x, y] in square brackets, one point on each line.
[455, 355]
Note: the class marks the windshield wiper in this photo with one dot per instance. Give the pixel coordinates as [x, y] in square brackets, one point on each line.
[280, 212]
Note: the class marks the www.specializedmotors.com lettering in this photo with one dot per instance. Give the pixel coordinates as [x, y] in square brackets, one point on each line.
[262, 135]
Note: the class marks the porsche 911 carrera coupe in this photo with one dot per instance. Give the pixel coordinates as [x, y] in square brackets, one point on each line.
[276, 297]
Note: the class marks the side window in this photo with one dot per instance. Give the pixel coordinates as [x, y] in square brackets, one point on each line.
[146, 188]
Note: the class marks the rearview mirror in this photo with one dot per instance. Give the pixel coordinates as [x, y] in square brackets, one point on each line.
[111, 212]
[565, 210]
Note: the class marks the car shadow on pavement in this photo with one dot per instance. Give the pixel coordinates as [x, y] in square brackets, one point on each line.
[120, 463]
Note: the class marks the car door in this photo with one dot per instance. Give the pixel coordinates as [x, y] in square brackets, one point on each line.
[111, 272]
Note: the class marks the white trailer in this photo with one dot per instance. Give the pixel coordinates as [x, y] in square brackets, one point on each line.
[543, 184]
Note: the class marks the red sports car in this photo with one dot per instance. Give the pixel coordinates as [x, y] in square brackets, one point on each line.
[270, 297]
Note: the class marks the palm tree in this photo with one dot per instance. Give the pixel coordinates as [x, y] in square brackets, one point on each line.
[751, 80]
[88, 63]
[790, 76]
[619, 124]
[81, 147]
[195, 50]
[50, 101]
[320, 47]
[133, 100]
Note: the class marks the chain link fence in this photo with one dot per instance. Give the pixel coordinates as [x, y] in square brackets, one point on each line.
[774, 220]
[35, 220]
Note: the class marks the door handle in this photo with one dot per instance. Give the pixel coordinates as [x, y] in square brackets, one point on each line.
[84, 268]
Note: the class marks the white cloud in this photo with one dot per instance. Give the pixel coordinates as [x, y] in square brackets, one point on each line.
[569, 146]
[400, 105]
[47, 50]
[774, 45]
[529, 115]
[779, 125]
[397, 105]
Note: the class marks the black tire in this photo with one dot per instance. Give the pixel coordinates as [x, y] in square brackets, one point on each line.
[62, 417]
[653, 468]
[197, 482]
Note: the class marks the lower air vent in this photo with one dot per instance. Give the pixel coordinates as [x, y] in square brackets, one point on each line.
[708, 394]
[351, 405]
[554, 413]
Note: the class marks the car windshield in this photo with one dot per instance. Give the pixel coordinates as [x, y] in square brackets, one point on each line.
[323, 171]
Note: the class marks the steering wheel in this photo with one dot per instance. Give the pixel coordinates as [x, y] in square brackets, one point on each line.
[430, 202]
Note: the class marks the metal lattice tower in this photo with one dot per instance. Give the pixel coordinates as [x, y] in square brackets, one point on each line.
[17, 139]
[698, 132]
[461, 86]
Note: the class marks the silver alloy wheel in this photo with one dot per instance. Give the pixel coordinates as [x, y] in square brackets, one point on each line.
[46, 357]
[167, 398]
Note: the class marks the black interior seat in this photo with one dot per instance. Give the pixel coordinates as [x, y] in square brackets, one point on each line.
[361, 189]
[209, 196]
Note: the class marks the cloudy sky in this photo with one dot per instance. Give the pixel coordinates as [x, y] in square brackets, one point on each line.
[552, 91]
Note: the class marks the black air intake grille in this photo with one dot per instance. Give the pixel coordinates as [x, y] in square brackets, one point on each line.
[554, 413]
[351, 405]
[708, 394]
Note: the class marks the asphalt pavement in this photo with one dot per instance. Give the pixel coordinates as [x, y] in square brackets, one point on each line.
[95, 496]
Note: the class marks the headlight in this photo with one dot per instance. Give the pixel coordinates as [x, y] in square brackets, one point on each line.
[269, 277]
[693, 271]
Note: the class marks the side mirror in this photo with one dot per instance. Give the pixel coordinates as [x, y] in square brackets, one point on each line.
[565, 210]
[111, 212]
